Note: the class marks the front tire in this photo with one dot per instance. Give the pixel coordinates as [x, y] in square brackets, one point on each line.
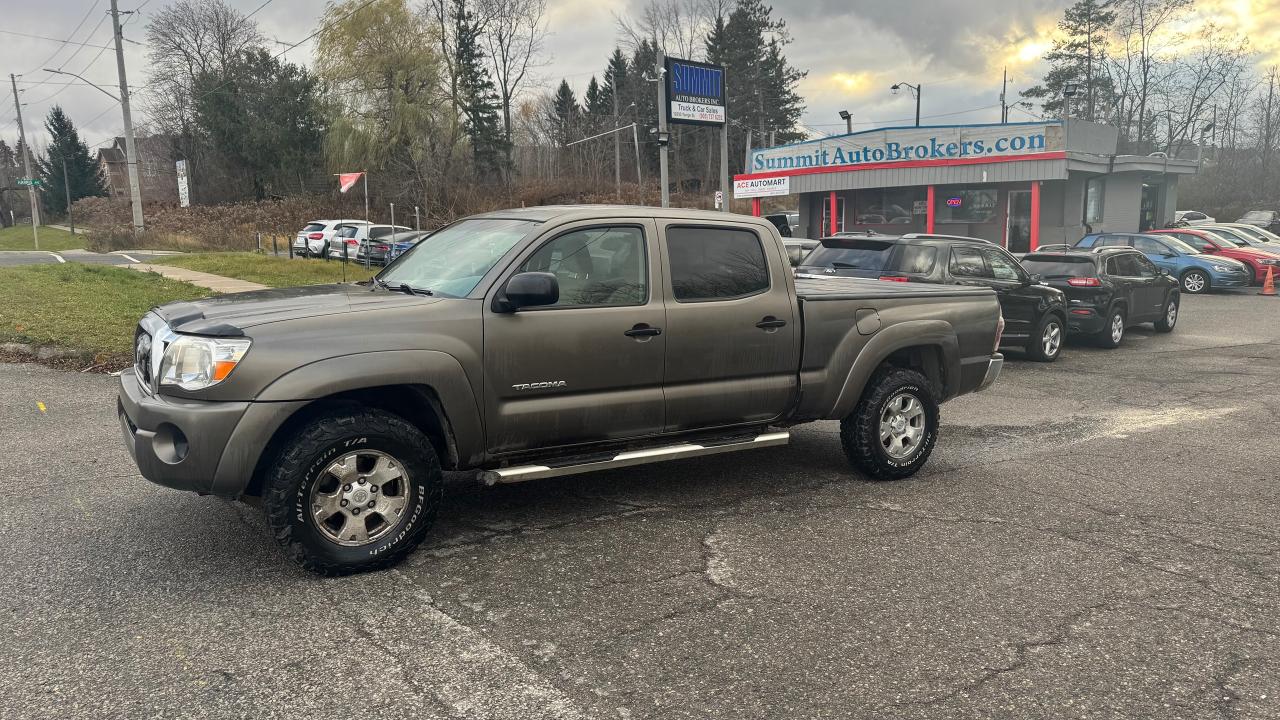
[893, 428]
[1170, 317]
[1195, 282]
[1045, 345]
[1113, 333]
[354, 490]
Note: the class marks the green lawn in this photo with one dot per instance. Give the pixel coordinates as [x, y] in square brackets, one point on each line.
[268, 269]
[91, 309]
[18, 237]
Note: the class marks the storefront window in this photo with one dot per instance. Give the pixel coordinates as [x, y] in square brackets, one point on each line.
[902, 208]
[826, 215]
[1094, 188]
[965, 205]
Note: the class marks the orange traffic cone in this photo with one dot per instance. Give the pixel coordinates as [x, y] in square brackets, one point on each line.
[1269, 285]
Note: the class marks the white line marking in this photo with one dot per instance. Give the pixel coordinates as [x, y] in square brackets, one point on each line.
[58, 257]
[130, 258]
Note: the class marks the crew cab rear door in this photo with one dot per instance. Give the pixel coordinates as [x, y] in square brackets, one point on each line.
[732, 341]
[588, 368]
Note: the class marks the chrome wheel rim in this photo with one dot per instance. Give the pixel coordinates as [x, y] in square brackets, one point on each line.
[902, 425]
[1193, 282]
[1117, 327]
[359, 498]
[1171, 314]
[1052, 339]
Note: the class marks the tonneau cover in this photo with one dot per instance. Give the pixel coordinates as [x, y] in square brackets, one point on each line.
[847, 288]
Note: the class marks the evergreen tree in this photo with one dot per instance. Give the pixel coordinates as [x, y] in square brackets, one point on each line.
[83, 176]
[1077, 56]
[565, 114]
[8, 172]
[478, 97]
[598, 102]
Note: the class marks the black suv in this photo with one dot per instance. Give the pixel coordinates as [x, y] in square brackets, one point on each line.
[1035, 314]
[1108, 289]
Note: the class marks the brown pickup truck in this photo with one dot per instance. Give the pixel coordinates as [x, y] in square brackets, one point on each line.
[534, 343]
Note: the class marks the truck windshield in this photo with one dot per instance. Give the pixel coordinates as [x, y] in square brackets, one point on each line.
[850, 254]
[452, 261]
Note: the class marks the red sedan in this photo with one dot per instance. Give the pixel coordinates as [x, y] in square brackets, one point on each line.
[1214, 244]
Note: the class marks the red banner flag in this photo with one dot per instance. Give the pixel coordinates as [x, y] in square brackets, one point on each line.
[347, 180]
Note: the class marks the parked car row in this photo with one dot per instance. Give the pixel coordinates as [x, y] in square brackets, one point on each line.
[1097, 288]
[356, 240]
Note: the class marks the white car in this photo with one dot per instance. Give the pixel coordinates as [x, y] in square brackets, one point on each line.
[354, 235]
[1190, 217]
[312, 240]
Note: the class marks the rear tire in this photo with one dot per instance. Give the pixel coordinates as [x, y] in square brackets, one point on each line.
[353, 490]
[1045, 345]
[1113, 333]
[1170, 317]
[893, 428]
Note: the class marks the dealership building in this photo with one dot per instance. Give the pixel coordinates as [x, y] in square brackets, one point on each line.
[1017, 184]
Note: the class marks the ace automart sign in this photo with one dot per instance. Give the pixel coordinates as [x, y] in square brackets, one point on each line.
[695, 92]
[761, 187]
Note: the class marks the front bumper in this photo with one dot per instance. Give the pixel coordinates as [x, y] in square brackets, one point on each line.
[994, 366]
[1229, 281]
[196, 445]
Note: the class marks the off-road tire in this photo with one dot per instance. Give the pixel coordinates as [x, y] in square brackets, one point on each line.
[1105, 338]
[1035, 344]
[301, 462]
[1163, 325]
[860, 431]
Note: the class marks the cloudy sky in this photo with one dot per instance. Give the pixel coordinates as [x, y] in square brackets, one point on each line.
[853, 52]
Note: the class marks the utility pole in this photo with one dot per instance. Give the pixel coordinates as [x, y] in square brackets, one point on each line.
[725, 187]
[1004, 87]
[617, 145]
[660, 71]
[130, 147]
[26, 164]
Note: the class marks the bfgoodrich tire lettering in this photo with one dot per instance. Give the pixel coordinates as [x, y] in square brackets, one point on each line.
[304, 462]
[860, 432]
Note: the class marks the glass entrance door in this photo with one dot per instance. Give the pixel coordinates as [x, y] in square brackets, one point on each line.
[1018, 231]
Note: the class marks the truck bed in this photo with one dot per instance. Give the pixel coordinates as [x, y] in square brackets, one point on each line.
[847, 288]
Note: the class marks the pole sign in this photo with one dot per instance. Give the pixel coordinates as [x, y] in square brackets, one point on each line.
[762, 187]
[30, 182]
[695, 92]
[184, 190]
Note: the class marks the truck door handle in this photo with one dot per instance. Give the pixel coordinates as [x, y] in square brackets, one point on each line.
[770, 322]
[643, 330]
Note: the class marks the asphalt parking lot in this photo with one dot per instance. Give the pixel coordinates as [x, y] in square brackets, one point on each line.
[13, 258]
[1096, 538]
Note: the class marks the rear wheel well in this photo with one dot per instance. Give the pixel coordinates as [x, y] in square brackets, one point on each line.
[418, 404]
[924, 359]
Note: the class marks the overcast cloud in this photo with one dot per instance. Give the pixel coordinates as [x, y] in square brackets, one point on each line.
[852, 51]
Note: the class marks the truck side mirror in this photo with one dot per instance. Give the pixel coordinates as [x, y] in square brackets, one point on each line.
[528, 289]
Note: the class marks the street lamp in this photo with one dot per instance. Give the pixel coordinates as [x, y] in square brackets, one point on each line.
[1069, 90]
[915, 90]
[848, 121]
[82, 79]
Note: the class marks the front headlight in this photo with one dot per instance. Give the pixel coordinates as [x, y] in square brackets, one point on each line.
[1220, 268]
[1268, 261]
[195, 363]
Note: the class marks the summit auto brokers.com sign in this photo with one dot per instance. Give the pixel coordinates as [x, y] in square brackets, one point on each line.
[911, 143]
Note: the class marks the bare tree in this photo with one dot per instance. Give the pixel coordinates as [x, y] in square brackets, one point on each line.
[1144, 43]
[679, 27]
[514, 33]
[1184, 101]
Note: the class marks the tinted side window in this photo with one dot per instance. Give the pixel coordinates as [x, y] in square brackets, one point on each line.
[595, 267]
[1147, 245]
[917, 259]
[1145, 267]
[966, 262]
[1124, 266]
[1002, 266]
[710, 263]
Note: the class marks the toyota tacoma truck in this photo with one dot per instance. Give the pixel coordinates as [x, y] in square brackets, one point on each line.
[536, 343]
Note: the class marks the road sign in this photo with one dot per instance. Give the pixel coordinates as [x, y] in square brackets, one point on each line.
[30, 182]
[184, 190]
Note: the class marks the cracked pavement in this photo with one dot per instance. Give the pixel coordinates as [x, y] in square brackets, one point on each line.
[1096, 538]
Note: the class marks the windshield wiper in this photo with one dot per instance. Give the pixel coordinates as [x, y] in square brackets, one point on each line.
[405, 288]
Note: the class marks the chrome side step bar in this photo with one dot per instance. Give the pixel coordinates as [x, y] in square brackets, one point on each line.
[631, 457]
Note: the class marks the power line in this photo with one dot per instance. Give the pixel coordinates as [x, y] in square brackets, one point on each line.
[70, 35]
[51, 39]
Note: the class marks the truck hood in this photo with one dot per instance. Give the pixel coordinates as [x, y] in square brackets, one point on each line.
[230, 315]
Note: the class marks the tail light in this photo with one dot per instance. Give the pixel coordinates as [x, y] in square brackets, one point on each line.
[1084, 282]
[353, 242]
[382, 248]
[999, 333]
[315, 236]
[895, 278]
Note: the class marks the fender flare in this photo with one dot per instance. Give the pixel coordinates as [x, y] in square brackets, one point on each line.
[431, 368]
[911, 333]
